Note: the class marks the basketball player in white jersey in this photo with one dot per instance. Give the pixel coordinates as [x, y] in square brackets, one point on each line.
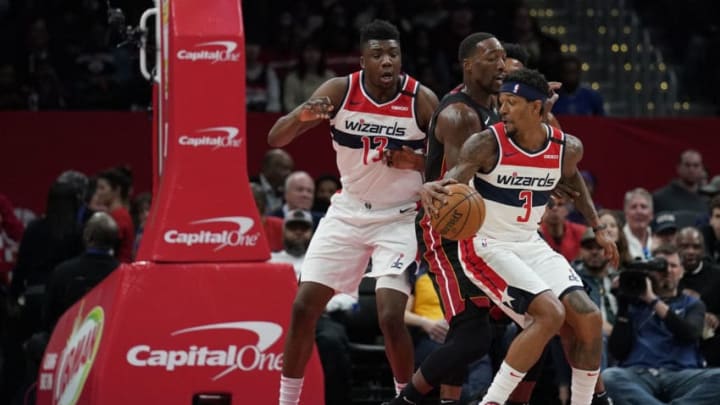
[378, 119]
[515, 165]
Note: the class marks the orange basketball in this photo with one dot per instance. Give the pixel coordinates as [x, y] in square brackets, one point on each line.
[463, 214]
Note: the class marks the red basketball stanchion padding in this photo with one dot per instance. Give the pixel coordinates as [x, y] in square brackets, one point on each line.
[201, 318]
[161, 336]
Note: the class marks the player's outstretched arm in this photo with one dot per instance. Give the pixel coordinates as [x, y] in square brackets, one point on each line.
[583, 203]
[318, 107]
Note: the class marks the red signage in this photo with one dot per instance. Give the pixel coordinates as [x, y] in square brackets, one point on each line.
[204, 210]
[159, 334]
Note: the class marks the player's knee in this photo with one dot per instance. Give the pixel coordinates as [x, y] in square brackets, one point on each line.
[583, 316]
[547, 311]
[589, 327]
[306, 312]
[391, 322]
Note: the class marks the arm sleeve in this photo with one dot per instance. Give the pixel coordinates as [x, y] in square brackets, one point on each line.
[687, 329]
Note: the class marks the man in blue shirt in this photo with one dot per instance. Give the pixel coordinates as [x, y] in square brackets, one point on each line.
[656, 340]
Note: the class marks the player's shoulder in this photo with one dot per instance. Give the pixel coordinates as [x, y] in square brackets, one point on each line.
[458, 112]
[426, 96]
[334, 88]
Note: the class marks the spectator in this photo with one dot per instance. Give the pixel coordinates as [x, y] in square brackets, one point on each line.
[11, 231]
[75, 277]
[112, 190]
[562, 235]
[701, 280]
[48, 241]
[262, 87]
[664, 227]
[576, 98]
[656, 340]
[712, 188]
[711, 231]
[276, 166]
[310, 73]
[638, 209]
[544, 50]
[299, 195]
[11, 93]
[614, 223]
[683, 192]
[273, 226]
[325, 187]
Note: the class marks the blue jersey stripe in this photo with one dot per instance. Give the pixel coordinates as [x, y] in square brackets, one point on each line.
[508, 196]
[355, 141]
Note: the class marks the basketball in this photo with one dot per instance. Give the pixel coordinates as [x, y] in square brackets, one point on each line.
[463, 214]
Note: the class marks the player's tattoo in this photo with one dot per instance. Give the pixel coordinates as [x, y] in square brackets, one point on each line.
[580, 302]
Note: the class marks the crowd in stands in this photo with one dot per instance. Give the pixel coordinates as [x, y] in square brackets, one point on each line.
[67, 56]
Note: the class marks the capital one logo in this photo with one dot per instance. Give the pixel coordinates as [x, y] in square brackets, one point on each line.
[215, 137]
[213, 51]
[226, 358]
[221, 238]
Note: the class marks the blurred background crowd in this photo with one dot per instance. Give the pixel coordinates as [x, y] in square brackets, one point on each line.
[641, 58]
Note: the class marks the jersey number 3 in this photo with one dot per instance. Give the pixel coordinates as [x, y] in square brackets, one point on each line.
[377, 143]
[526, 197]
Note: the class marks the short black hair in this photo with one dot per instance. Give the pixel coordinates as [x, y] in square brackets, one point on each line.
[117, 178]
[516, 51]
[531, 78]
[665, 250]
[468, 45]
[379, 30]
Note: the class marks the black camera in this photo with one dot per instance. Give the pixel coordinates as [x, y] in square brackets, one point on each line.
[632, 279]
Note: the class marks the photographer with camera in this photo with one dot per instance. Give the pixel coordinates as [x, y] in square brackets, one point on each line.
[656, 338]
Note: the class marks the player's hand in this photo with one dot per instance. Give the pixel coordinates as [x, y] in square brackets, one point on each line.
[435, 191]
[404, 158]
[610, 248]
[318, 108]
[437, 330]
[566, 192]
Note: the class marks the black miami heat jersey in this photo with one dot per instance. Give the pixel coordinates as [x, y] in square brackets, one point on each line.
[435, 163]
[442, 255]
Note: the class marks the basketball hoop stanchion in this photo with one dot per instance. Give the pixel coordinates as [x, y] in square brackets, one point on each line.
[201, 317]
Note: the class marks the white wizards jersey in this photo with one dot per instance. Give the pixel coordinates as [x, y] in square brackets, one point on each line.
[363, 129]
[518, 188]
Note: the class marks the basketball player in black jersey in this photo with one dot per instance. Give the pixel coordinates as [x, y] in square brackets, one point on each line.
[468, 109]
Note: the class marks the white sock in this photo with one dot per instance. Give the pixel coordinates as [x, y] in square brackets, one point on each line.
[290, 389]
[505, 381]
[398, 386]
[582, 386]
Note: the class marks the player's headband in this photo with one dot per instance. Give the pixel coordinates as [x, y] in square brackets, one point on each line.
[523, 90]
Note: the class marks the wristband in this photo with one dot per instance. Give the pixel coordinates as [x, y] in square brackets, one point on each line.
[654, 302]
